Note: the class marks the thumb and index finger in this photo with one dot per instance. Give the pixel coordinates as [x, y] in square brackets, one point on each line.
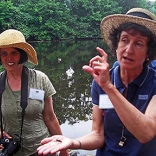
[101, 51]
[88, 68]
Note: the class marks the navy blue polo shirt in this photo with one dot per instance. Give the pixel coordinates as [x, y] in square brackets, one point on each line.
[139, 93]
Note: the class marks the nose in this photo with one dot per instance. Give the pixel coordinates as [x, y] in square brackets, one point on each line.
[129, 48]
[9, 57]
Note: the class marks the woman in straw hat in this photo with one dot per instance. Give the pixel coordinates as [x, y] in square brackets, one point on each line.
[124, 101]
[39, 120]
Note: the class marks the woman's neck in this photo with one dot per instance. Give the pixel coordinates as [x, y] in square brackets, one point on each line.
[14, 79]
[15, 75]
[128, 76]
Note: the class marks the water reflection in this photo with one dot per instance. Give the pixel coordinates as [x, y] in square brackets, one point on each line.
[62, 62]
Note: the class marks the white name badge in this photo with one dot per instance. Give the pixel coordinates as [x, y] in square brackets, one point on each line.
[104, 102]
[36, 94]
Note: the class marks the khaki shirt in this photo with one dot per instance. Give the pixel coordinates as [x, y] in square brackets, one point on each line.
[34, 128]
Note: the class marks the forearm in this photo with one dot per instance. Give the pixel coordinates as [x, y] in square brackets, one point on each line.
[134, 120]
[50, 118]
[54, 127]
[90, 141]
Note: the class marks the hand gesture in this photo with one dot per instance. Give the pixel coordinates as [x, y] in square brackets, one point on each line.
[99, 68]
[54, 144]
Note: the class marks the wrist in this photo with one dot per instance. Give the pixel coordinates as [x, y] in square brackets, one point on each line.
[79, 143]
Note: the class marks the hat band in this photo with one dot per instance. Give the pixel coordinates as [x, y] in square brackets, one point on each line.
[140, 14]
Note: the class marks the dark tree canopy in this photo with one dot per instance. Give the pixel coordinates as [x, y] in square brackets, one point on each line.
[58, 19]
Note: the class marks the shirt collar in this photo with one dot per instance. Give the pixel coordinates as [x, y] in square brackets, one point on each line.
[138, 81]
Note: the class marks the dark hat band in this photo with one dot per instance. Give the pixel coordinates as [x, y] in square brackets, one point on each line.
[140, 14]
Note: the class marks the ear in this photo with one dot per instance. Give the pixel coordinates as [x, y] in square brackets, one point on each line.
[147, 58]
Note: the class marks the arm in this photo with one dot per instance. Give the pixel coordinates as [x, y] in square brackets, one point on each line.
[95, 139]
[91, 141]
[142, 126]
[51, 120]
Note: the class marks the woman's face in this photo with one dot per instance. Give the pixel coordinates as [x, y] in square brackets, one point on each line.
[132, 50]
[10, 58]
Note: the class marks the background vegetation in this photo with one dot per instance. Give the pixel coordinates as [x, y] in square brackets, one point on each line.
[61, 19]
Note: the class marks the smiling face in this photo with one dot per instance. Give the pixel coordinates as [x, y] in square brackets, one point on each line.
[10, 58]
[132, 49]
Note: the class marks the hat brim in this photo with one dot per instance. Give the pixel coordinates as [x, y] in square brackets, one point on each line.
[113, 21]
[31, 53]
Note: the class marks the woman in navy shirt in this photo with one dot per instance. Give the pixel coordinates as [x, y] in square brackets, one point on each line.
[124, 101]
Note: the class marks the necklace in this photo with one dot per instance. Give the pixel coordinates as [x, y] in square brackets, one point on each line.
[123, 138]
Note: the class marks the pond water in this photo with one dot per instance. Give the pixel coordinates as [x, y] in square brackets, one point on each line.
[62, 62]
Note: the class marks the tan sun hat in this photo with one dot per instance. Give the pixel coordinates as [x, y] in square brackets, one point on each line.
[14, 38]
[136, 15]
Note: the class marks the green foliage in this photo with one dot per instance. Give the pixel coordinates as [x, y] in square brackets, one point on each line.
[7, 11]
[128, 4]
[58, 19]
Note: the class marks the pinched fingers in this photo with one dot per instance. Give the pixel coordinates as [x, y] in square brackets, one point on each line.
[104, 56]
[95, 61]
[98, 59]
[102, 52]
[98, 64]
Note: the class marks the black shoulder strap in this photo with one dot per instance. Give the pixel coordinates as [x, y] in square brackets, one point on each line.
[24, 88]
[2, 81]
[2, 87]
[24, 96]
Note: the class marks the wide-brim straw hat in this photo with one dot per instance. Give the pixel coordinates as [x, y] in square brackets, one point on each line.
[14, 38]
[136, 15]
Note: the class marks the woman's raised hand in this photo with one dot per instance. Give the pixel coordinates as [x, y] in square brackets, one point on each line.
[99, 68]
